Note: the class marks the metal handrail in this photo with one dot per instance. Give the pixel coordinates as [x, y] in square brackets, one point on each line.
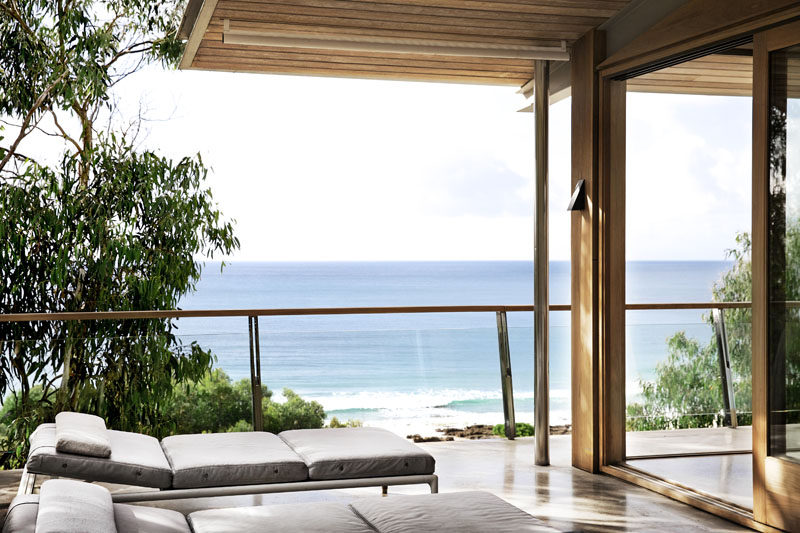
[502, 331]
[687, 305]
[219, 313]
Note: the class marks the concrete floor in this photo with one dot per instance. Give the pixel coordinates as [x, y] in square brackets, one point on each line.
[564, 497]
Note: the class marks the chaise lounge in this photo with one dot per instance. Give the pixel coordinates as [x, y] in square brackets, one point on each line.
[68, 506]
[79, 446]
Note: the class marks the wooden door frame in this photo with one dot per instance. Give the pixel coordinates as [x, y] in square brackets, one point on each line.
[603, 230]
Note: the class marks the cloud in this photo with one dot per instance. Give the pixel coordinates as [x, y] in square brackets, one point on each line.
[477, 185]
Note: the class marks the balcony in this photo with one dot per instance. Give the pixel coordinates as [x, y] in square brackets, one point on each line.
[714, 461]
[565, 497]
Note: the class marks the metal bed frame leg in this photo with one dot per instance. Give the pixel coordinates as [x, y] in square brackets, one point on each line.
[384, 490]
[434, 484]
[26, 482]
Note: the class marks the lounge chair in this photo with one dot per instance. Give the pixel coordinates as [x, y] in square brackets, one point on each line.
[79, 446]
[68, 506]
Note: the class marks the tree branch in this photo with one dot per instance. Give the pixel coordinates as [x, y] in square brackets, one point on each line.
[132, 49]
[64, 133]
[29, 116]
[14, 14]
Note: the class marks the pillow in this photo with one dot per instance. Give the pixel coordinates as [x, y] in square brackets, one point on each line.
[68, 506]
[82, 434]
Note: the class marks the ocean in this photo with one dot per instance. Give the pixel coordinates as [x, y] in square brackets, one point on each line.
[416, 372]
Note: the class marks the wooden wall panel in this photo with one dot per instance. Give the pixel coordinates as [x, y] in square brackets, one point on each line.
[586, 55]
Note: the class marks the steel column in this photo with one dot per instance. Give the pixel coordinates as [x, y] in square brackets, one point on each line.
[506, 380]
[255, 373]
[728, 399]
[541, 261]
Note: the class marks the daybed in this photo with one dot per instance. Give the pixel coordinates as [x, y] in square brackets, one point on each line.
[79, 446]
[67, 506]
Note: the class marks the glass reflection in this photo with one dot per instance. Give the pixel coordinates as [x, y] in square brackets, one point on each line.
[784, 253]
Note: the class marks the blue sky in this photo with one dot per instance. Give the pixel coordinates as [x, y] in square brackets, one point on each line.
[336, 169]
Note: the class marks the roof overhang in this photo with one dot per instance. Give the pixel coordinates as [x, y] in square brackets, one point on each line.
[462, 41]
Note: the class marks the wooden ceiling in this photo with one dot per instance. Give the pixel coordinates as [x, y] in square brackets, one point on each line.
[486, 22]
[725, 74]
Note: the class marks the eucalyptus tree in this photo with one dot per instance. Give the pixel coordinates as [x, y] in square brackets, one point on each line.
[104, 226]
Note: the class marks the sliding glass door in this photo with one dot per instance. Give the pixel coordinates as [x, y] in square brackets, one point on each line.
[777, 462]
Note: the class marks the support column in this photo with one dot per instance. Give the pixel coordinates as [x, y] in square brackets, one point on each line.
[587, 52]
[541, 263]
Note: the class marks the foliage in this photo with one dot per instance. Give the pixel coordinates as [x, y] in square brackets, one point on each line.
[294, 413]
[523, 429]
[126, 242]
[211, 404]
[214, 404]
[687, 390]
[105, 227]
[240, 426]
[350, 423]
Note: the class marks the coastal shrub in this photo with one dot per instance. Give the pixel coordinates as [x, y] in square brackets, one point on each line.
[212, 404]
[294, 413]
[104, 226]
[216, 404]
[523, 429]
[241, 425]
[349, 423]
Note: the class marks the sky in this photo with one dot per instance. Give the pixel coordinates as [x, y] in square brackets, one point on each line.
[323, 169]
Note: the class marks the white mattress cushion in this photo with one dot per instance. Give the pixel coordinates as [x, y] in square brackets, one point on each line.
[324, 517]
[135, 460]
[455, 512]
[143, 519]
[68, 506]
[350, 453]
[225, 459]
[82, 434]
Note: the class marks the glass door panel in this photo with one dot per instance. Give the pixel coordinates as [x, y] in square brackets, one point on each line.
[784, 254]
[776, 278]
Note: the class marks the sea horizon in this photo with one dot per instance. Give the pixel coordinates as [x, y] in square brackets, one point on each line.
[416, 373]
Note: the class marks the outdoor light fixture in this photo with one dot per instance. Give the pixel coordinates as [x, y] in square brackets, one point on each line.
[578, 200]
[394, 45]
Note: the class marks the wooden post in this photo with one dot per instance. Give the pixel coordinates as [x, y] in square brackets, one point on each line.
[611, 276]
[587, 53]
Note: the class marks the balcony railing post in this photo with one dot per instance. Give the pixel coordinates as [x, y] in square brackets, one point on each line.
[728, 399]
[255, 373]
[506, 380]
